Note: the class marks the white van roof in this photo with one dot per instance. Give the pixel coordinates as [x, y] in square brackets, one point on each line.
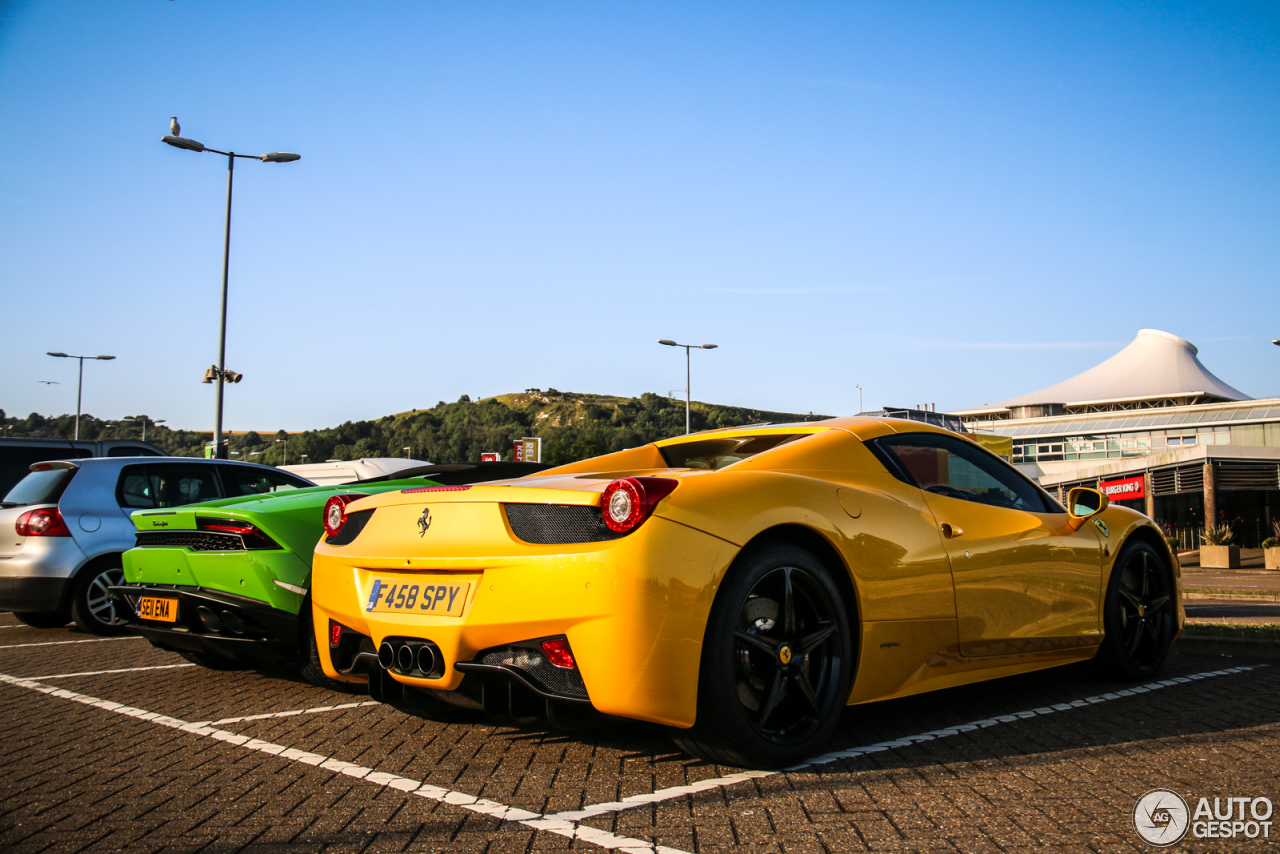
[338, 471]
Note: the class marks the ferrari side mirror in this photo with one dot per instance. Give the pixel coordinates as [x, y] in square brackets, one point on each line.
[1085, 503]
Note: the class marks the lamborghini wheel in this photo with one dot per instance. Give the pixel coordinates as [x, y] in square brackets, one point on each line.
[1139, 617]
[777, 662]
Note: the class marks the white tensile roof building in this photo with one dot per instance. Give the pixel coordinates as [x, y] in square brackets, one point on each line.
[1157, 369]
[1156, 429]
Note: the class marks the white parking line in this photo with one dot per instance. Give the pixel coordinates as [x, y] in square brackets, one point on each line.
[59, 643]
[567, 823]
[106, 672]
[483, 806]
[263, 717]
[719, 782]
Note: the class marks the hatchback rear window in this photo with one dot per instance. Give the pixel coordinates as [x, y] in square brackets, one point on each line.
[40, 487]
[717, 453]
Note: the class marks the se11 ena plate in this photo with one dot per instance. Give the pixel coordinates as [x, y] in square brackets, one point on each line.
[438, 598]
[154, 608]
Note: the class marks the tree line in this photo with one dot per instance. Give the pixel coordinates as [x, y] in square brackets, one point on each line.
[572, 427]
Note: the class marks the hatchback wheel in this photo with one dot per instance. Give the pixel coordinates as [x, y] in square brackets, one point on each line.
[777, 663]
[91, 606]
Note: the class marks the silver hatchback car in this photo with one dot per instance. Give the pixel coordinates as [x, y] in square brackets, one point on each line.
[64, 527]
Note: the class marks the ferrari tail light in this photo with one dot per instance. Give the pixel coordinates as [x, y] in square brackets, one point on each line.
[45, 522]
[626, 503]
[335, 512]
[558, 652]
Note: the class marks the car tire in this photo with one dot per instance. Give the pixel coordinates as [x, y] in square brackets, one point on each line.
[777, 662]
[313, 671]
[1139, 615]
[55, 620]
[92, 608]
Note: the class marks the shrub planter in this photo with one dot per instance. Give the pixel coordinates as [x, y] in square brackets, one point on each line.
[1220, 557]
[1273, 557]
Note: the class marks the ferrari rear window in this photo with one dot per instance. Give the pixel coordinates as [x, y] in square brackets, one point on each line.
[717, 453]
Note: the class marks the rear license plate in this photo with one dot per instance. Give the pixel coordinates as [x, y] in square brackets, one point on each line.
[438, 598]
[153, 608]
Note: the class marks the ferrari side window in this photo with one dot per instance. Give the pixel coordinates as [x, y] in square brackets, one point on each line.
[947, 466]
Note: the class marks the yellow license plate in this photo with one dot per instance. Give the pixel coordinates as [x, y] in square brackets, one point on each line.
[437, 597]
[153, 608]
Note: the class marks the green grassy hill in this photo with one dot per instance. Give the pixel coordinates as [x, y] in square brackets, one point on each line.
[572, 427]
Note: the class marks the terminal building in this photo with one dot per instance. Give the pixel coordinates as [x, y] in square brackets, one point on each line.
[1158, 432]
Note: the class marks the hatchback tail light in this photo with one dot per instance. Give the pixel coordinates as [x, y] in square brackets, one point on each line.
[626, 503]
[45, 522]
[335, 512]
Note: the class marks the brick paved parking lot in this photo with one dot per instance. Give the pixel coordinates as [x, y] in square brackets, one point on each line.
[111, 745]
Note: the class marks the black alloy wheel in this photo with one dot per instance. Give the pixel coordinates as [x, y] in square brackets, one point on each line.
[777, 662]
[1139, 615]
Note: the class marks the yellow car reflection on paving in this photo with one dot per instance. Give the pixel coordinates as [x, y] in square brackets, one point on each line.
[739, 586]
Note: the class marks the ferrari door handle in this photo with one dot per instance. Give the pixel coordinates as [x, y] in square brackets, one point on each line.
[951, 531]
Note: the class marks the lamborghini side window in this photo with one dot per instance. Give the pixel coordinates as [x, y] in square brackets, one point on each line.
[952, 467]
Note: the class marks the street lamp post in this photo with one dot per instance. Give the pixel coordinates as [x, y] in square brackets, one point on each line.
[406, 451]
[270, 157]
[687, 392]
[860, 407]
[144, 419]
[80, 385]
[286, 451]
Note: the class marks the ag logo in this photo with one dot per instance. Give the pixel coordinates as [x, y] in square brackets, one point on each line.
[1161, 817]
[424, 521]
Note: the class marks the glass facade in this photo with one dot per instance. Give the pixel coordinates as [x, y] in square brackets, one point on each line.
[1122, 435]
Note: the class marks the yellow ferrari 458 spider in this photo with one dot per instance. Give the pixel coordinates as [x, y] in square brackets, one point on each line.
[738, 586]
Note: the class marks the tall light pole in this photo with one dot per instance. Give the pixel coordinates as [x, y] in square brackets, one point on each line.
[143, 419]
[286, 451]
[860, 408]
[269, 157]
[80, 386]
[687, 393]
[406, 451]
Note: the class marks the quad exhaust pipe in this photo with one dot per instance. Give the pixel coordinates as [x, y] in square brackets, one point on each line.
[409, 657]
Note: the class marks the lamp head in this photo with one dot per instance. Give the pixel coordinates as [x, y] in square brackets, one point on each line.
[666, 341]
[183, 142]
[709, 346]
[279, 157]
[104, 358]
[60, 355]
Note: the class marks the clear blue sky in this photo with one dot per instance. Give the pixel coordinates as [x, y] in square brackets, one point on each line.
[951, 202]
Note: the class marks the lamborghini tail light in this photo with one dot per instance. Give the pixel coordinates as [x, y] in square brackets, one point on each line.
[45, 522]
[335, 512]
[627, 502]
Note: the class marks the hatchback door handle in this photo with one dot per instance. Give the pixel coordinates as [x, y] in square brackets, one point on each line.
[950, 531]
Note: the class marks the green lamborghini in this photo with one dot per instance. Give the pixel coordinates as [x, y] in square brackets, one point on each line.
[226, 583]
